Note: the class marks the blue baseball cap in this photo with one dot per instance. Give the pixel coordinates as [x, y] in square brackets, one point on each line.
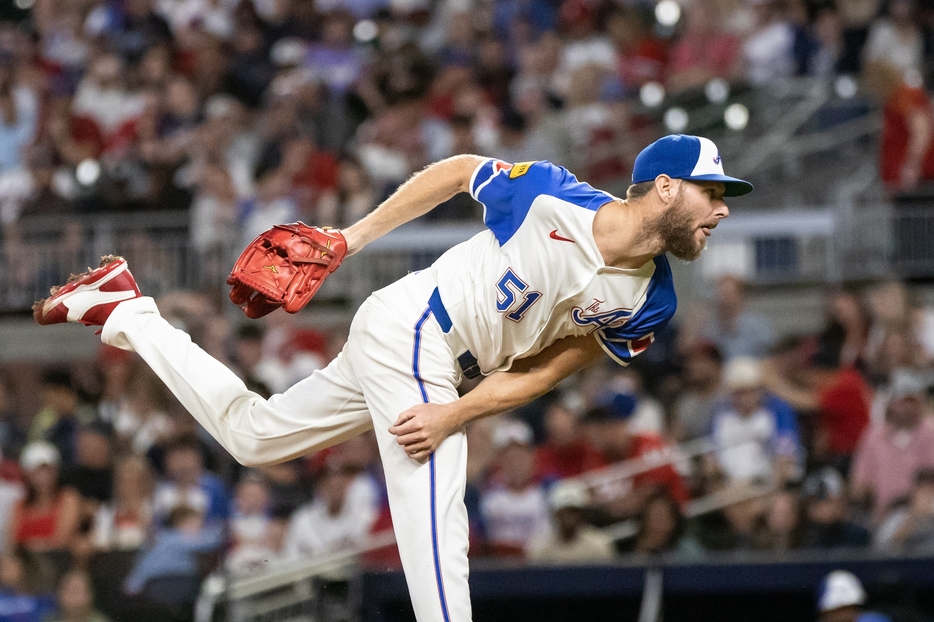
[686, 157]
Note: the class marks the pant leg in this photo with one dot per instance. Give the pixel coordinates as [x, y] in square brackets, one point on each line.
[322, 410]
[401, 359]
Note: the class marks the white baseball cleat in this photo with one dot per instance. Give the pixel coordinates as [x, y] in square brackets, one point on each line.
[90, 297]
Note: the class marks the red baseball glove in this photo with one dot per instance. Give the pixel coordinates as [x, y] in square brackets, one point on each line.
[284, 267]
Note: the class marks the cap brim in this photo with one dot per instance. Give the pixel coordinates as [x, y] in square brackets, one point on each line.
[734, 187]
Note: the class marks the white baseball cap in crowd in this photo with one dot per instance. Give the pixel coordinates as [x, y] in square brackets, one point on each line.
[568, 494]
[38, 453]
[840, 589]
[511, 431]
[742, 373]
[906, 382]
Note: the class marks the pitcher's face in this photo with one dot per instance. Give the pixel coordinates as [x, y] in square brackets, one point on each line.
[696, 209]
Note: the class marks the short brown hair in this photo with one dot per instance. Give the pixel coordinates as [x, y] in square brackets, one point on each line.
[639, 190]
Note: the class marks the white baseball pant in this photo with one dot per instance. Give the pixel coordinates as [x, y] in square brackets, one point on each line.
[396, 356]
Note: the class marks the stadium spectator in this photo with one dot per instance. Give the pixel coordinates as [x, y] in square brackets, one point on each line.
[92, 475]
[757, 431]
[545, 137]
[256, 537]
[857, 18]
[248, 354]
[351, 200]
[19, 112]
[17, 602]
[641, 57]
[906, 149]
[625, 395]
[891, 454]
[833, 401]
[115, 367]
[188, 484]
[480, 462]
[337, 519]
[783, 525]
[841, 598]
[213, 207]
[565, 452]
[662, 529]
[514, 508]
[272, 204]
[11, 493]
[173, 556]
[736, 330]
[695, 405]
[570, 539]
[608, 430]
[57, 420]
[704, 50]
[908, 525]
[105, 108]
[767, 49]
[844, 340]
[48, 518]
[125, 521]
[141, 419]
[12, 432]
[827, 507]
[76, 599]
[585, 45]
[288, 487]
[819, 45]
[897, 40]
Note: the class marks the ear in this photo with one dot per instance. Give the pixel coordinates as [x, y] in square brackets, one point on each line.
[664, 185]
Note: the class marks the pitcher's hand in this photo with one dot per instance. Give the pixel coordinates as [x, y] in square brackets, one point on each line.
[422, 428]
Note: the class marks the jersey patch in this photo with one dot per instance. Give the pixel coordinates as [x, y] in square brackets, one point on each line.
[519, 169]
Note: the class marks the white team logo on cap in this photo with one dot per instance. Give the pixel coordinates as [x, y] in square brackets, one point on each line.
[708, 160]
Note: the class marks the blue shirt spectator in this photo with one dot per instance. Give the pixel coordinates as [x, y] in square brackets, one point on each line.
[757, 431]
[175, 550]
[19, 110]
[188, 484]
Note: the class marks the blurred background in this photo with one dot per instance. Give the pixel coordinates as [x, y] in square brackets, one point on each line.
[772, 453]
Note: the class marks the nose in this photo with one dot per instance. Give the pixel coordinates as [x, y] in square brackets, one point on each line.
[722, 211]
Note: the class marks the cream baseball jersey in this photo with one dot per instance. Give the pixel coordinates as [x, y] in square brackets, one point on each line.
[536, 275]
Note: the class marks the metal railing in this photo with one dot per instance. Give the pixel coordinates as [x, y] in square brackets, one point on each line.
[815, 245]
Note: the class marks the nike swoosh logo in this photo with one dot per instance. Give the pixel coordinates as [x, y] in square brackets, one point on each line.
[554, 236]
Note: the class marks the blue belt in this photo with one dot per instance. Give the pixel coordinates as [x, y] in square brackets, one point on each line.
[467, 361]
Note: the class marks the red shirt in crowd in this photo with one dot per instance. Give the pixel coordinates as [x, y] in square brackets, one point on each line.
[895, 138]
[644, 445]
[844, 411]
[33, 524]
[557, 462]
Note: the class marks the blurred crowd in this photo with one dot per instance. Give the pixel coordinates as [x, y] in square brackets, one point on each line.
[255, 112]
[722, 436]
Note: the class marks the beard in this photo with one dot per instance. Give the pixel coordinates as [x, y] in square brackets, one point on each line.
[678, 231]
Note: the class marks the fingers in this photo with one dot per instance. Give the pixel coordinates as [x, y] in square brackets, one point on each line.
[409, 427]
[407, 423]
[403, 417]
[420, 452]
[408, 440]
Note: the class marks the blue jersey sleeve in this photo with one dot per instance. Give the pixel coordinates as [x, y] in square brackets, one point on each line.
[624, 342]
[507, 191]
